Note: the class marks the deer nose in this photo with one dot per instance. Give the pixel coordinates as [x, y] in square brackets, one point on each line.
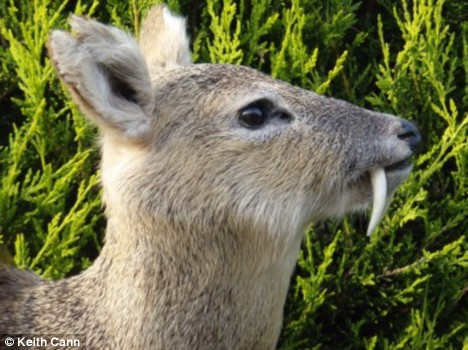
[410, 134]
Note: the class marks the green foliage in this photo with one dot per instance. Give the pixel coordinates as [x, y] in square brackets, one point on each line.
[49, 201]
[225, 46]
[403, 289]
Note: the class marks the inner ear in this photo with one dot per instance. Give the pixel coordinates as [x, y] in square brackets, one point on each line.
[118, 86]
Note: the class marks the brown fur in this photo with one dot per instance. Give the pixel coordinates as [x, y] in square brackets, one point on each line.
[205, 215]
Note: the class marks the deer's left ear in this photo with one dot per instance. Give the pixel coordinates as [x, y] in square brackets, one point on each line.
[163, 40]
[107, 75]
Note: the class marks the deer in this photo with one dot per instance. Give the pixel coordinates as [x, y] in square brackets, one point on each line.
[211, 174]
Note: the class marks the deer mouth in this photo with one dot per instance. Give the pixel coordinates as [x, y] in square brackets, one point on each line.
[381, 178]
[401, 165]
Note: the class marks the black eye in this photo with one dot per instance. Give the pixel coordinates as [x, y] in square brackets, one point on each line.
[253, 117]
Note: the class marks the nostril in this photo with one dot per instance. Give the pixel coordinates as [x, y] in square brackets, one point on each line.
[410, 134]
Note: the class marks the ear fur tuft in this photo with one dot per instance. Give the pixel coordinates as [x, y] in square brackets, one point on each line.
[163, 40]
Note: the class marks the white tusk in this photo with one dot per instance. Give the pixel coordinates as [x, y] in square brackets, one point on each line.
[379, 188]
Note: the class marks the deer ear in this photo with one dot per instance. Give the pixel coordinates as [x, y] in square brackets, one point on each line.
[107, 75]
[163, 40]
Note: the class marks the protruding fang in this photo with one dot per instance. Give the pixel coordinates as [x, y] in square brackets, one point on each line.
[379, 188]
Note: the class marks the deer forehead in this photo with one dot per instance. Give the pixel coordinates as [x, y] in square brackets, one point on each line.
[203, 85]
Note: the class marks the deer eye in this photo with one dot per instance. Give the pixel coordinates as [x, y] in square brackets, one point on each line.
[253, 117]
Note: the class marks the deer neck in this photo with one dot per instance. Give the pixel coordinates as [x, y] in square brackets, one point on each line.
[161, 280]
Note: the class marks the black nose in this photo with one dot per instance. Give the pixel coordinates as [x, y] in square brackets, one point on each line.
[410, 134]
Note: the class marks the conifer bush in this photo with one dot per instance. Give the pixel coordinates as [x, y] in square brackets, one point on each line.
[405, 288]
